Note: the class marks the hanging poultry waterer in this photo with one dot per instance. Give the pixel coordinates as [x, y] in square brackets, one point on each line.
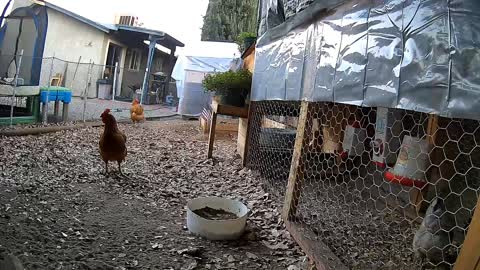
[353, 140]
[387, 125]
[412, 163]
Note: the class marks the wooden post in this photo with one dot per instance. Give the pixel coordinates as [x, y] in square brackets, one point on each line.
[211, 137]
[223, 110]
[65, 112]
[295, 178]
[56, 109]
[469, 257]
[247, 136]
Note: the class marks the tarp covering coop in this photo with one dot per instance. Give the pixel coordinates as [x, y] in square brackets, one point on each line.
[414, 55]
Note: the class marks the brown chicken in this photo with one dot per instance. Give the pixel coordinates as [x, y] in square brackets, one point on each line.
[112, 142]
[136, 112]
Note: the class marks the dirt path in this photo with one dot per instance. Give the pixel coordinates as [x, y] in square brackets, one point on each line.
[57, 211]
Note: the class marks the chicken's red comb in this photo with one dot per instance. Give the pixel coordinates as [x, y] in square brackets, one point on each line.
[107, 111]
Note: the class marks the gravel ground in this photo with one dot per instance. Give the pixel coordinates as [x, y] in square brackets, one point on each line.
[57, 210]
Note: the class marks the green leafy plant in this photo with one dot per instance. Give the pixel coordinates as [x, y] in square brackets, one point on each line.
[226, 82]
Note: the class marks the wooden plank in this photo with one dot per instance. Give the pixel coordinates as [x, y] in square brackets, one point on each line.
[469, 257]
[242, 136]
[230, 110]
[223, 110]
[419, 196]
[314, 248]
[211, 138]
[295, 178]
[250, 125]
[269, 123]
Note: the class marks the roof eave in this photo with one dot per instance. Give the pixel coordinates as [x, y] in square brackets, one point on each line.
[77, 17]
[151, 32]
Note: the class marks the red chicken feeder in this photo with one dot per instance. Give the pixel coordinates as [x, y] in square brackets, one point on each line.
[404, 181]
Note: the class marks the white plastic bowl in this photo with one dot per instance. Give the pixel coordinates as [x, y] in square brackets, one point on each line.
[217, 229]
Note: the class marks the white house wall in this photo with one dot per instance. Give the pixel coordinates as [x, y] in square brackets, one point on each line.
[68, 39]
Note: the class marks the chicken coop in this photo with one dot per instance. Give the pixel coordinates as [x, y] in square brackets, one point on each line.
[364, 124]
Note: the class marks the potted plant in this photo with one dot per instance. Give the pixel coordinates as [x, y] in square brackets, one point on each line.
[245, 40]
[230, 88]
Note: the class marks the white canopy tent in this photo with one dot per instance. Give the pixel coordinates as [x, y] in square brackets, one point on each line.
[190, 70]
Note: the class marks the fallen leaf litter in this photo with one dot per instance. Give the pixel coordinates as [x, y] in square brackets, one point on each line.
[60, 212]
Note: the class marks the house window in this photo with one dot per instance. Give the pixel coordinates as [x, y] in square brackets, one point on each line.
[134, 58]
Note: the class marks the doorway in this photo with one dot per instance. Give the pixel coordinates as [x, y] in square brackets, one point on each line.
[114, 55]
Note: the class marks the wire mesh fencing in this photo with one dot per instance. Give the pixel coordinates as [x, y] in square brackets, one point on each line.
[381, 188]
[94, 87]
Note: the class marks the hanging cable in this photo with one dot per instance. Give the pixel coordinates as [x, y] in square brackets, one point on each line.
[4, 12]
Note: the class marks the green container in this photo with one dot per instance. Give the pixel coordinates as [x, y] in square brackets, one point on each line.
[247, 42]
[233, 98]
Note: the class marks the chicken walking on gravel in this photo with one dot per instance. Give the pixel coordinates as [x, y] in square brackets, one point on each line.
[112, 142]
[136, 112]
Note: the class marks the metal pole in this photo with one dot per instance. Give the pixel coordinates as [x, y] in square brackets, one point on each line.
[45, 105]
[151, 53]
[15, 84]
[171, 62]
[115, 77]
[89, 75]
[75, 73]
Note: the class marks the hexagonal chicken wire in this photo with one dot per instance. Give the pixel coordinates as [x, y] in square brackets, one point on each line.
[377, 188]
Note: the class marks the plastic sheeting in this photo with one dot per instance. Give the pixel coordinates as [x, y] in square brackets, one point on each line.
[24, 29]
[421, 55]
[189, 72]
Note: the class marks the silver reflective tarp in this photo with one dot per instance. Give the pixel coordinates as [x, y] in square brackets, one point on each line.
[421, 55]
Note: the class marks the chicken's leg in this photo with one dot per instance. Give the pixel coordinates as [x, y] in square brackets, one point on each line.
[120, 167]
[106, 167]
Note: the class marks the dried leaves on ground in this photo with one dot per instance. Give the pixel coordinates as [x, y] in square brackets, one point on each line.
[58, 210]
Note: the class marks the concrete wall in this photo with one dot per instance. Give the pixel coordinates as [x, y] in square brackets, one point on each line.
[68, 39]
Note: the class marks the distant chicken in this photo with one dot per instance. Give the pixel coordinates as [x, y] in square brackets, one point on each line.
[112, 142]
[136, 112]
